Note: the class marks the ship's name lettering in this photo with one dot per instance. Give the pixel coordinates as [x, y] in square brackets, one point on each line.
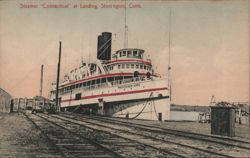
[130, 85]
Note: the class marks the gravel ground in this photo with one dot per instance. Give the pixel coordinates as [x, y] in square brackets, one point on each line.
[19, 138]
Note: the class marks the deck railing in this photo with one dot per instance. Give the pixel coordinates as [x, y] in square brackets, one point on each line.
[109, 84]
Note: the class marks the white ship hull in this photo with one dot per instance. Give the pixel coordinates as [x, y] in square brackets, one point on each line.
[149, 110]
[143, 99]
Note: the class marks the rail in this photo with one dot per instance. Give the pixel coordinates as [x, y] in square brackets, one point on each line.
[119, 145]
[67, 141]
[188, 146]
[204, 137]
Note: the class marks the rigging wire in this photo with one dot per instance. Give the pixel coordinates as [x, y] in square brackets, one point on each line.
[151, 95]
[155, 109]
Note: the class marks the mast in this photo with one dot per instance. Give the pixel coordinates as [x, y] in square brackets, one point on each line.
[57, 79]
[125, 27]
[169, 56]
[41, 81]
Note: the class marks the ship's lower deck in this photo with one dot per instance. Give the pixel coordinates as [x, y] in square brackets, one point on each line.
[143, 99]
[150, 108]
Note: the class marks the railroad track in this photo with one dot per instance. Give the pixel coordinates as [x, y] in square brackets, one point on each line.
[73, 131]
[144, 144]
[209, 138]
[189, 144]
[68, 143]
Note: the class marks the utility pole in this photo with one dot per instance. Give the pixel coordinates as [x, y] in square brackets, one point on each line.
[57, 79]
[125, 27]
[41, 82]
[169, 56]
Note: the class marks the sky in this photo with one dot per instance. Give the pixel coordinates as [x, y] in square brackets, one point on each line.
[209, 43]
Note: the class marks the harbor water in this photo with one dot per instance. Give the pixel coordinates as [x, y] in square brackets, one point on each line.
[184, 115]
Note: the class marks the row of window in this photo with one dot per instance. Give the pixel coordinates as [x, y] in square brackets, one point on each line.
[131, 53]
[132, 66]
[92, 82]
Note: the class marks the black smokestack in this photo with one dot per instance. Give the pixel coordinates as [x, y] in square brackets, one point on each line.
[104, 46]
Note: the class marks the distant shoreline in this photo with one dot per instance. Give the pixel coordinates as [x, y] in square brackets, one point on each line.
[197, 108]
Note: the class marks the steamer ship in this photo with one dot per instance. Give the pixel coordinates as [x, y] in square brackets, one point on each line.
[118, 84]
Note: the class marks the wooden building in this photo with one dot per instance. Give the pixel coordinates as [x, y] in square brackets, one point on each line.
[5, 100]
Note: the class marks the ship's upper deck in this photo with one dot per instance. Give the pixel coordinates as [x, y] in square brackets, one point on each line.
[129, 62]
